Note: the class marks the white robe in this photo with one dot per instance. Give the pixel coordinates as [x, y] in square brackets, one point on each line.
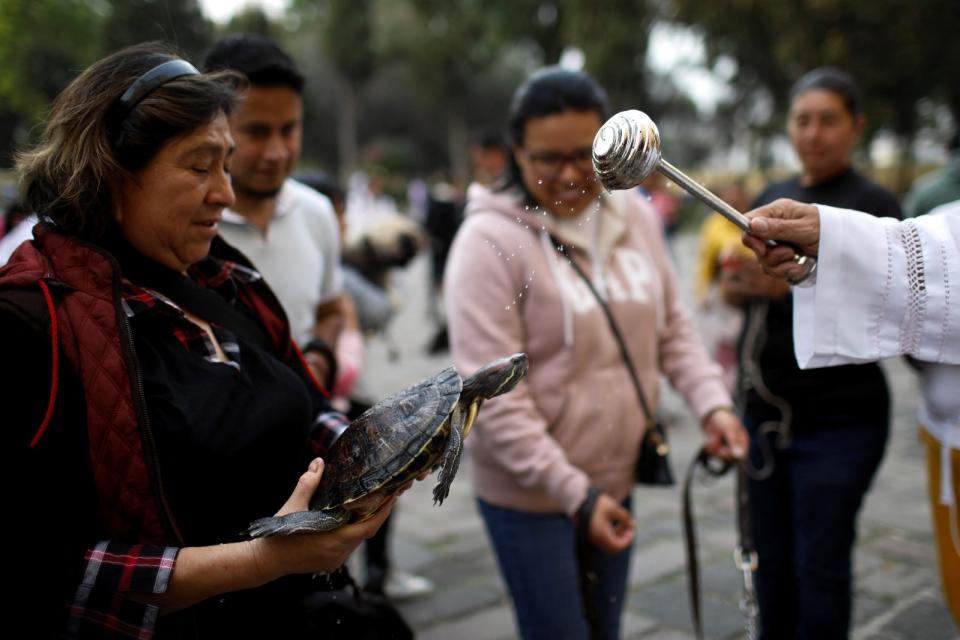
[885, 288]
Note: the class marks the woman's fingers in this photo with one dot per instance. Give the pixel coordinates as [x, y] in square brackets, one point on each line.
[299, 500]
[611, 526]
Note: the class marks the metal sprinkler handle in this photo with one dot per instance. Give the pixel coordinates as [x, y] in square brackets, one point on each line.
[626, 150]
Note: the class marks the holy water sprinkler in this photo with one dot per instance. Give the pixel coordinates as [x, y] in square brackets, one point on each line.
[627, 149]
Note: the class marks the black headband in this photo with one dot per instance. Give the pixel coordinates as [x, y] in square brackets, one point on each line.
[150, 81]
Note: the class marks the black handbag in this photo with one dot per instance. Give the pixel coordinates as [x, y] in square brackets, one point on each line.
[653, 465]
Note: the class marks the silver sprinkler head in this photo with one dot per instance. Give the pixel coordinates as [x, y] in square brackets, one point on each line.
[626, 150]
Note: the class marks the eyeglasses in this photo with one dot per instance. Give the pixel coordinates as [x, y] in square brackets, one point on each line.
[550, 164]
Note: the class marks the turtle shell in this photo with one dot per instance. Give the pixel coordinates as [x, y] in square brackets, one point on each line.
[380, 445]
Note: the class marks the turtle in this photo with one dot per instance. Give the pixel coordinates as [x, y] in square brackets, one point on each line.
[412, 432]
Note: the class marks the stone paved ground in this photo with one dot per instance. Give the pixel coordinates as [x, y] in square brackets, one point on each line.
[897, 588]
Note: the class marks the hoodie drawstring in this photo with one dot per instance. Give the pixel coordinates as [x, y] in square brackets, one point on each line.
[553, 261]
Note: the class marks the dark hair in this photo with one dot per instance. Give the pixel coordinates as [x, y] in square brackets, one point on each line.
[490, 139]
[89, 146]
[833, 80]
[546, 92]
[257, 57]
[323, 183]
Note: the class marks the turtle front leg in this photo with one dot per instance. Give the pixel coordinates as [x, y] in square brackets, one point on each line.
[472, 411]
[297, 522]
[451, 456]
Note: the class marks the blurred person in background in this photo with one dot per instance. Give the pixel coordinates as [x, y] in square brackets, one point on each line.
[720, 252]
[817, 437]
[489, 156]
[288, 230]
[138, 335]
[18, 225]
[665, 202]
[939, 187]
[367, 199]
[559, 454]
[489, 159]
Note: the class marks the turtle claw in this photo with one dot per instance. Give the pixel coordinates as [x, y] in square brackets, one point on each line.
[298, 522]
[451, 457]
[263, 527]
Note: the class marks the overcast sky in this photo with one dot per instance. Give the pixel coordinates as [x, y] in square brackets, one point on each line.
[221, 10]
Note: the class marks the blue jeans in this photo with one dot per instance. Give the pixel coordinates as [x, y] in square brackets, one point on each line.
[537, 557]
[804, 524]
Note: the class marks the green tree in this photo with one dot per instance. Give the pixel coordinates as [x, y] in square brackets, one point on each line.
[449, 48]
[178, 22]
[43, 45]
[899, 52]
[250, 19]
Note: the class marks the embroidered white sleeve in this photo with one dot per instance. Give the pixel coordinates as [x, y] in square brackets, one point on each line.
[884, 288]
[916, 288]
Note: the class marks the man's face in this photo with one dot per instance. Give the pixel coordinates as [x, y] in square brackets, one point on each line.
[267, 129]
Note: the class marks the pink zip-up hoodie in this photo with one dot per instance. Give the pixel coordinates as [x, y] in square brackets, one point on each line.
[575, 420]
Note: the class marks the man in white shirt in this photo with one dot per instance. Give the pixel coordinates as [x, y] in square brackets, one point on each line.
[882, 288]
[288, 230]
[19, 234]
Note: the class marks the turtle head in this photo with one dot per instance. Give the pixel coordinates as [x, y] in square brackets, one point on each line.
[495, 378]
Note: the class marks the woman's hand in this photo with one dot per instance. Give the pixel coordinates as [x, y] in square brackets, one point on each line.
[747, 282]
[203, 572]
[783, 221]
[724, 436]
[313, 552]
[611, 527]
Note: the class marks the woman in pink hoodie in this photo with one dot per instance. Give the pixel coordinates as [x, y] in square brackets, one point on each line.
[561, 448]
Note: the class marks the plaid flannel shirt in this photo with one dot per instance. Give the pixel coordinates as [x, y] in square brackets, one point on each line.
[102, 606]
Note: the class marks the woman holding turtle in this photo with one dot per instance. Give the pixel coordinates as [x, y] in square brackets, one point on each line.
[158, 404]
[562, 446]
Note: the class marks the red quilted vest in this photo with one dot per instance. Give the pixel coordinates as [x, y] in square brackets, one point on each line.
[94, 337]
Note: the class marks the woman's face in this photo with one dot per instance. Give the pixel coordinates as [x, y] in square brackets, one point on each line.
[823, 133]
[555, 161]
[170, 210]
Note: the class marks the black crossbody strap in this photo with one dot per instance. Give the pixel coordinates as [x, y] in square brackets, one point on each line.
[613, 328]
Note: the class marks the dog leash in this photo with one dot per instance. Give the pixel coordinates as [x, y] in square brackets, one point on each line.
[744, 555]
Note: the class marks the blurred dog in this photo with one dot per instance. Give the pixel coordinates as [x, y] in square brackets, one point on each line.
[389, 242]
